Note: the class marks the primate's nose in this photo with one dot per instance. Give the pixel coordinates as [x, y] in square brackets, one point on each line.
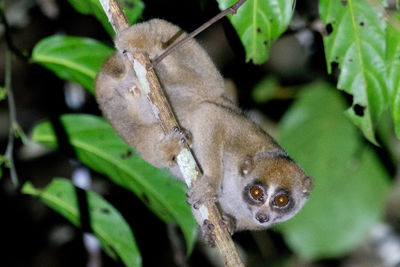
[262, 218]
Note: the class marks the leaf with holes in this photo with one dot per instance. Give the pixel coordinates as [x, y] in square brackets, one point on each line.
[259, 23]
[355, 41]
[393, 59]
[133, 10]
[97, 146]
[72, 58]
[350, 183]
[107, 223]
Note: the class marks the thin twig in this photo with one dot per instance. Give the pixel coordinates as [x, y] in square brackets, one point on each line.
[162, 110]
[13, 120]
[230, 10]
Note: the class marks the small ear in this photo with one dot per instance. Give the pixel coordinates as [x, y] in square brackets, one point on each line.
[246, 167]
[114, 66]
[307, 185]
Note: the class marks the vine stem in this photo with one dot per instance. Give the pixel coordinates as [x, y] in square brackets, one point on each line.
[162, 110]
[13, 119]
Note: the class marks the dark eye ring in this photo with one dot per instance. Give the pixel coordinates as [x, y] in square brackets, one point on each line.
[281, 200]
[257, 192]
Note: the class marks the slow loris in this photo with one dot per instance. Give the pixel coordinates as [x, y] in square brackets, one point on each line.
[252, 178]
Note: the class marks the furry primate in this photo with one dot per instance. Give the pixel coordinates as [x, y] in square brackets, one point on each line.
[252, 179]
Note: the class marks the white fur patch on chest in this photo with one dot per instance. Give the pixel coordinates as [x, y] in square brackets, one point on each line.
[231, 195]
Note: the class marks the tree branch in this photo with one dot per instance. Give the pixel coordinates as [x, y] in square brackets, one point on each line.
[230, 10]
[162, 110]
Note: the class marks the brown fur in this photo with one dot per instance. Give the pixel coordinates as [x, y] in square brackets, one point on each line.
[232, 150]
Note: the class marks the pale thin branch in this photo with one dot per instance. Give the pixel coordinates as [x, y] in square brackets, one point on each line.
[230, 10]
[162, 110]
[13, 119]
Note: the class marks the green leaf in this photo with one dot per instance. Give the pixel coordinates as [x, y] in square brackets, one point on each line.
[265, 90]
[133, 10]
[393, 59]
[259, 23]
[107, 223]
[356, 43]
[72, 58]
[97, 146]
[350, 183]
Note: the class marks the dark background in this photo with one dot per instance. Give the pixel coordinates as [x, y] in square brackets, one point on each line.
[34, 235]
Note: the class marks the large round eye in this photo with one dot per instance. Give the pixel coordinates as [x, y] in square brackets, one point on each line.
[281, 200]
[257, 192]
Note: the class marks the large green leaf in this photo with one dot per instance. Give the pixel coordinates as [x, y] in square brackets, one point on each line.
[259, 23]
[133, 10]
[355, 40]
[350, 181]
[393, 59]
[107, 223]
[72, 58]
[97, 146]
